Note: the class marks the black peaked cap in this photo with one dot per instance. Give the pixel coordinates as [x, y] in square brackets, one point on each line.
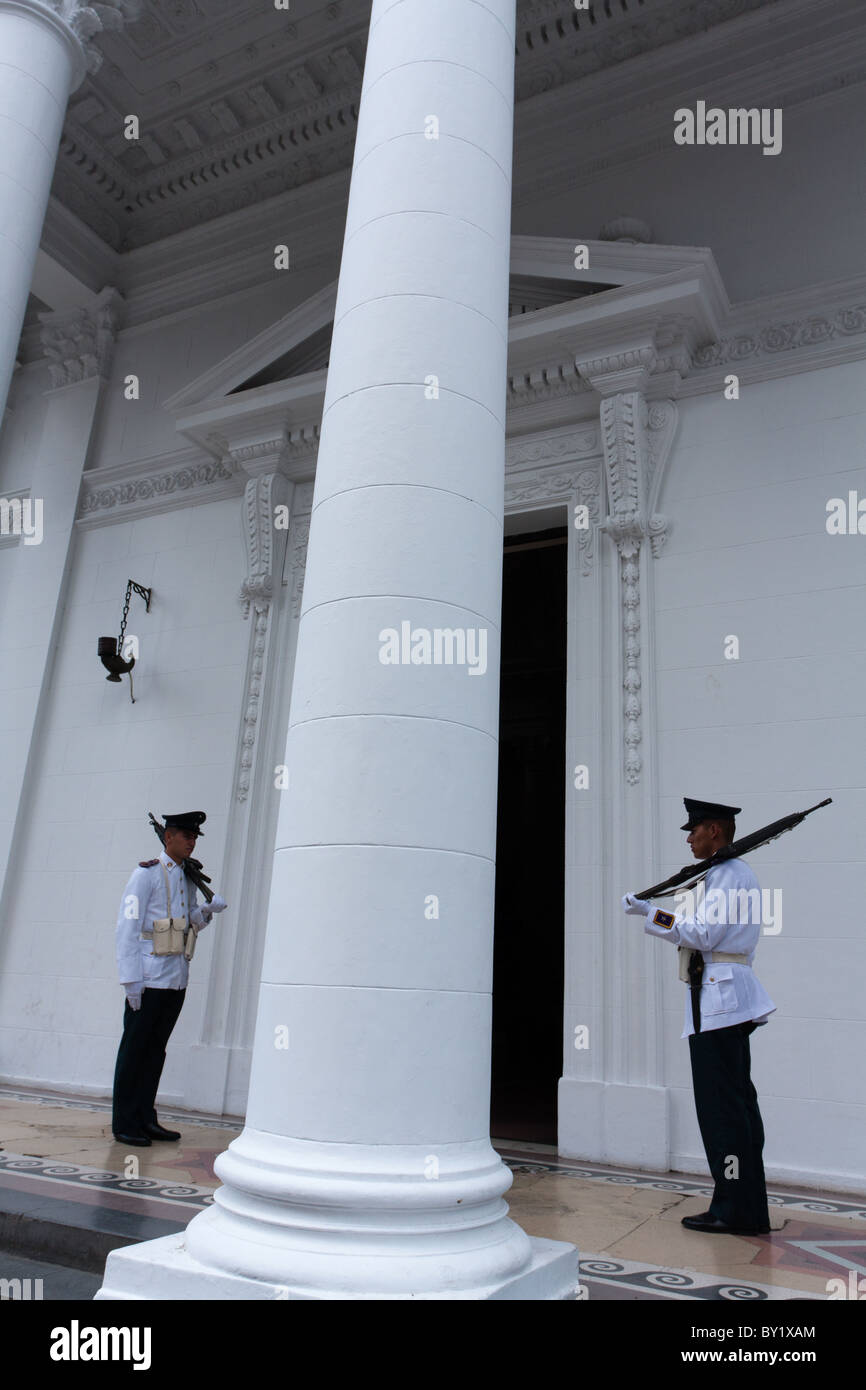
[698, 811]
[187, 820]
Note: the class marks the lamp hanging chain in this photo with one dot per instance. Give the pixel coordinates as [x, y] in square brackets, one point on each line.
[124, 618]
[146, 594]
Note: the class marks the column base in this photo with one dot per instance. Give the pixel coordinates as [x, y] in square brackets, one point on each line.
[163, 1269]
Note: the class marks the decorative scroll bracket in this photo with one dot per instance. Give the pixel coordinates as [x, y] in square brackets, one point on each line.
[636, 440]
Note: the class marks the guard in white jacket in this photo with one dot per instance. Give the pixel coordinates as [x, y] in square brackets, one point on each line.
[154, 985]
[725, 929]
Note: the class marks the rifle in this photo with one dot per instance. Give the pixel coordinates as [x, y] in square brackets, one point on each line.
[743, 846]
[192, 867]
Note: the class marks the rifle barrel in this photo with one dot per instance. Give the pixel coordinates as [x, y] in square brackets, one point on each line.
[741, 846]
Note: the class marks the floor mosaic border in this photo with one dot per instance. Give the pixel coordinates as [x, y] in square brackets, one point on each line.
[687, 1187]
[681, 1284]
[102, 1180]
[603, 1277]
[522, 1159]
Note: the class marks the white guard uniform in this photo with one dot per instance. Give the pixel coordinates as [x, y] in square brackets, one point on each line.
[143, 902]
[730, 992]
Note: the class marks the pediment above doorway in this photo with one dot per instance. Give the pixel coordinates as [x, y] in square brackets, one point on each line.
[624, 297]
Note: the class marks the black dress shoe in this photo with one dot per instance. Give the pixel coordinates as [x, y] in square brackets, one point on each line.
[156, 1131]
[706, 1222]
[138, 1141]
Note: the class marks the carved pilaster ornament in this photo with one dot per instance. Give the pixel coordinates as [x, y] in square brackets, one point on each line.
[262, 496]
[636, 439]
[588, 494]
[625, 441]
[265, 544]
[79, 343]
[298, 543]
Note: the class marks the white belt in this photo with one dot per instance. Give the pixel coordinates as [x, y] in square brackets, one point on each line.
[684, 954]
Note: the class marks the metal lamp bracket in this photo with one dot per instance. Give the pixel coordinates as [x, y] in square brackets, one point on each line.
[113, 660]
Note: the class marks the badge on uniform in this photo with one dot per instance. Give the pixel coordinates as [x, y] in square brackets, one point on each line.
[663, 919]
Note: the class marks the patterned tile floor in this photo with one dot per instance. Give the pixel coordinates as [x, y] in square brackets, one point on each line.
[59, 1163]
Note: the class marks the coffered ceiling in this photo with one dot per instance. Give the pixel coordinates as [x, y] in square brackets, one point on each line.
[238, 101]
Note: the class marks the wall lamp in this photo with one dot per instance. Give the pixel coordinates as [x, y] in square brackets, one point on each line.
[110, 651]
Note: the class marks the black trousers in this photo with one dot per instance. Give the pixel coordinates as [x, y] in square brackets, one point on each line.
[730, 1123]
[141, 1057]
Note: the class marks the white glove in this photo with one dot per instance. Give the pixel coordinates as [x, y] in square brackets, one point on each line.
[636, 907]
[133, 995]
[201, 916]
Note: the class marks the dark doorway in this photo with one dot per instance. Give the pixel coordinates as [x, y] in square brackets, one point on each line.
[530, 840]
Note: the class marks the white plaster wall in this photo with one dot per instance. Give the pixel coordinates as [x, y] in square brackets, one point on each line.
[773, 222]
[103, 764]
[776, 731]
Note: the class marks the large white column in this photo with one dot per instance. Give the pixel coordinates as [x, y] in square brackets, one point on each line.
[365, 1169]
[45, 50]
[79, 346]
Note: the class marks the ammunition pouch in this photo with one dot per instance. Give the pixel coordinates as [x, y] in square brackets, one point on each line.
[169, 933]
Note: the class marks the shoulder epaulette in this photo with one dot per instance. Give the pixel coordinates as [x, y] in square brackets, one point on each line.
[147, 863]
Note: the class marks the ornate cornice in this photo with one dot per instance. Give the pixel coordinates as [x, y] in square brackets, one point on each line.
[557, 43]
[237, 172]
[263, 456]
[79, 343]
[186, 478]
[153, 486]
[544, 384]
[548, 485]
[233, 133]
[796, 334]
[292, 452]
[579, 443]
[626, 370]
[254, 102]
[795, 54]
